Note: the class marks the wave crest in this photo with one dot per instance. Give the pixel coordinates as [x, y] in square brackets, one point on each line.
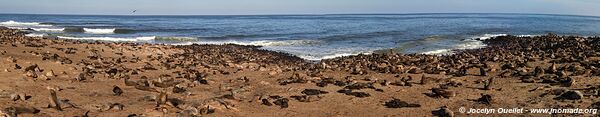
[472, 43]
[110, 38]
[99, 31]
[48, 29]
[15, 23]
[259, 43]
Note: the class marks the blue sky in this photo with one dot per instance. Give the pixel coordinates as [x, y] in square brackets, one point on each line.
[247, 7]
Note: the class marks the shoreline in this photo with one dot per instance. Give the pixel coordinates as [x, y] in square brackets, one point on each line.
[122, 79]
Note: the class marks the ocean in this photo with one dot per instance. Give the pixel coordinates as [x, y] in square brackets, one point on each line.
[312, 37]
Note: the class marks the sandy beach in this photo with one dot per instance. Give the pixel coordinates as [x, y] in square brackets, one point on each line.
[55, 77]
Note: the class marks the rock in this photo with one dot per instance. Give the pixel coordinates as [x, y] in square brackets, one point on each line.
[570, 95]
[397, 103]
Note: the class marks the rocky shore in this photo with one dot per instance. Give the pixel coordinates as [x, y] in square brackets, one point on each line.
[54, 77]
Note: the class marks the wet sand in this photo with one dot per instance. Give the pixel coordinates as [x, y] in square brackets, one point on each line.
[129, 79]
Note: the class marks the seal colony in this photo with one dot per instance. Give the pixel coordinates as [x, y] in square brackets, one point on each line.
[55, 77]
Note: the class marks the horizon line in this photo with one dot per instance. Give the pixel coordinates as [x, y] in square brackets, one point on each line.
[297, 14]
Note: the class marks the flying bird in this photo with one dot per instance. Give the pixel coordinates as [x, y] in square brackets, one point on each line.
[133, 11]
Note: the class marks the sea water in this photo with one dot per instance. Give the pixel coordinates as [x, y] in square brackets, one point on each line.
[312, 37]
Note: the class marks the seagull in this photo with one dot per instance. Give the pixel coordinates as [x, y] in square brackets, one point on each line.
[133, 11]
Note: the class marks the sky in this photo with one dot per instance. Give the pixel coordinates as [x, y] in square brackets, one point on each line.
[262, 7]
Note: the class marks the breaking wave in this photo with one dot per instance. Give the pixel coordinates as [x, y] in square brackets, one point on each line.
[176, 38]
[14, 23]
[259, 43]
[317, 58]
[471, 43]
[96, 30]
[35, 35]
[99, 31]
[110, 38]
[48, 29]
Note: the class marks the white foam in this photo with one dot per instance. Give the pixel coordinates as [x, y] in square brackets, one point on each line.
[438, 52]
[282, 43]
[489, 36]
[14, 23]
[48, 29]
[35, 35]
[110, 38]
[258, 43]
[177, 38]
[18, 28]
[99, 31]
[527, 35]
[472, 43]
[315, 58]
